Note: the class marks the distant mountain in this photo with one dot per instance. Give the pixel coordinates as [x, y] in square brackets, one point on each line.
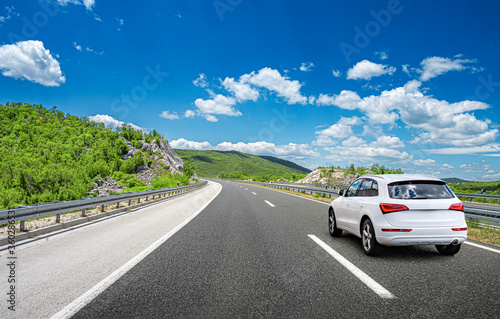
[455, 180]
[286, 163]
[213, 163]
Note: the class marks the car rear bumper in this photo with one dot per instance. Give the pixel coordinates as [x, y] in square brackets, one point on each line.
[421, 236]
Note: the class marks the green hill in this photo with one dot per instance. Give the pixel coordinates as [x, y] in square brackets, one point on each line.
[235, 164]
[49, 156]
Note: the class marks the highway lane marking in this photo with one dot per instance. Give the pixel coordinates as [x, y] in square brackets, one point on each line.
[269, 203]
[246, 188]
[483, 247]
[254, 193]
[367, 280]
[86, 298]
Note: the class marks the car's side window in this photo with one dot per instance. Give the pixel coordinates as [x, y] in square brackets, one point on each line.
[365, 188]
[351, 191]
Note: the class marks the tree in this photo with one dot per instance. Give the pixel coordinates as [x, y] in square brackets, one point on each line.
[189, 167]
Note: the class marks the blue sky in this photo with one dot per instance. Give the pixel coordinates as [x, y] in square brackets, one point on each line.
[409, 84]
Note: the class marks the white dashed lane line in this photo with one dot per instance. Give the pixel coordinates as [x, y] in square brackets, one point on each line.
[269, 203]
[254, 193]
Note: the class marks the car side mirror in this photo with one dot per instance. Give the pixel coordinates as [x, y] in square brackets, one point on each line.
[341, 192]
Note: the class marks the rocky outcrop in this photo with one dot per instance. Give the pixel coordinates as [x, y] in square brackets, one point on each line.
[323, 176]
[105, 187]
[162, 152]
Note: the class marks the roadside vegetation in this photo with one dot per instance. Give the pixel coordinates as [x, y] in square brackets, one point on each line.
[486, 188]
[49, 156]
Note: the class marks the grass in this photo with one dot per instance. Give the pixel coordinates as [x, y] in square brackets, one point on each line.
[476, 231]
[482, 232]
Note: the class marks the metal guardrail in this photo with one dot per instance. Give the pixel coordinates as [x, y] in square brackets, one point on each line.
[23, 213]
[488, 215]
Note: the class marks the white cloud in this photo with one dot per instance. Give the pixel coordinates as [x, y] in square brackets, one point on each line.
[78, 47]
[265, 148]
[242, 91]
[336, 73]
[357, 151]
[219, 104]
[273, 81]
[120, 21]
[425, 162]
[111, 122]
[388, 142]
[201, 81]
[31, 61]
[353, 141]
[489, 148]
[434, 66]
[10, 13]
[382, 55]
[323, 140]
[189, 113]
[306, 67]
[89, 4]
[257, 148]
[492, 177]
[211, 118]
[366, 70]
[437, 121]
[190, 145]
[338, 131]
[169, 116]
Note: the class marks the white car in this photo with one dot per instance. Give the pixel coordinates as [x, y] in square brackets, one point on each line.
[399, 210]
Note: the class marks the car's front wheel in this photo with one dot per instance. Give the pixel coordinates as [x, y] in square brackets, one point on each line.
[332, 225]
[370, 244]
[448, 250]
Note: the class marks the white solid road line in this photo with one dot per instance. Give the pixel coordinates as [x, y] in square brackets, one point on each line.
[86, 298]
[254, 193]
[367, 280]
[269, 203]
[483, 247]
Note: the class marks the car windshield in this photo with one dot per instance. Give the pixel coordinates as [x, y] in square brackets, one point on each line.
[419, 190]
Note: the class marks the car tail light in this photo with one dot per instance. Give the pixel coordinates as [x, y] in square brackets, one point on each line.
[457, 206]
[396, 230]
[459, 229]
[389, 208]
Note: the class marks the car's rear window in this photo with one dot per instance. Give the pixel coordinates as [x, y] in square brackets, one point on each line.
[419, 190]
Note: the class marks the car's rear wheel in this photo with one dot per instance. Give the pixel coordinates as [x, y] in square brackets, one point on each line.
[448, 250]
[332, 225]
[370, 244]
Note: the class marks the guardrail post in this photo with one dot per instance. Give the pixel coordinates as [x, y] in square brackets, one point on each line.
[139, 200]
[117, 204]
[58, 218]
[129, 202]
[102, 208]
[21, 225]
[147, 198]
[83, 212]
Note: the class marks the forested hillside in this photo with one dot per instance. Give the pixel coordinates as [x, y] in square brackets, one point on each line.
[233, 164]
[46, 155]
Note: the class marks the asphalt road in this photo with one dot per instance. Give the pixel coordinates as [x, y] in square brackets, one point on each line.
[53, 270]
[243, 258]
